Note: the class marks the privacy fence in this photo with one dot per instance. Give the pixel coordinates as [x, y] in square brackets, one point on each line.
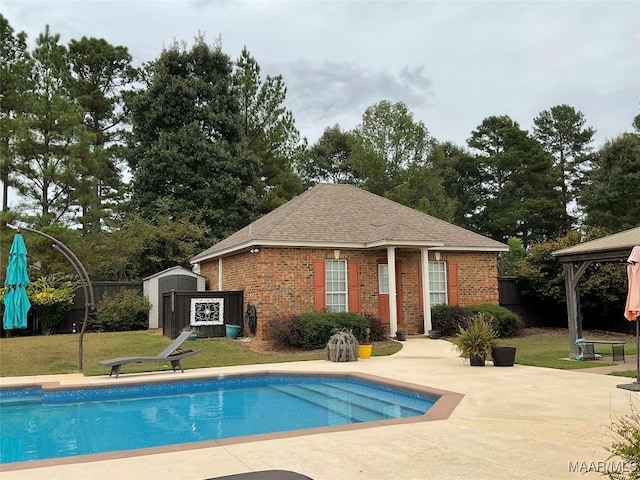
[178, 316]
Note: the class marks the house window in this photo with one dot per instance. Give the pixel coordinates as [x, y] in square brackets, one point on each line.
[383, 278]
[336, 285]
[437, 283]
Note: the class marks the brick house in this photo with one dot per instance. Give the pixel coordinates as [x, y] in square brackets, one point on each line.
[344, 249]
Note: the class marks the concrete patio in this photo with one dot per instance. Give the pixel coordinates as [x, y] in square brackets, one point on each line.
[513, 423]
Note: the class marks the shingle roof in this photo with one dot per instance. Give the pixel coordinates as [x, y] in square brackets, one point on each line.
[610, 248]
[344, 216]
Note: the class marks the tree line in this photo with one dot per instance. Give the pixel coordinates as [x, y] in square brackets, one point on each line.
[159, 161]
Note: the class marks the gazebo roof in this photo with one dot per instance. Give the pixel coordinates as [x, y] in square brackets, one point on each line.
[611, 248]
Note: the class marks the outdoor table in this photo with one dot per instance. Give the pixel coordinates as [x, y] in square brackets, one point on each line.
[587, 348]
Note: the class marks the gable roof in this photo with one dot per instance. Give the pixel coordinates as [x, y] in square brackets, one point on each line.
[344, 216]
[606, 249]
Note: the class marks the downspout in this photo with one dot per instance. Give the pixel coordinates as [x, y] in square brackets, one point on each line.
[220, 274]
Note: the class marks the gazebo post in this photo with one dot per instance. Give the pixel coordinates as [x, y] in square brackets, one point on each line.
[572, 273]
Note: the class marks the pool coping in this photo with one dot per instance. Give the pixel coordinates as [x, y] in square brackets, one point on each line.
[445, 404]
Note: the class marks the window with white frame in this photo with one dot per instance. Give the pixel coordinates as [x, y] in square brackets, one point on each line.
[336, 285]
[437, 283]
[383, 278]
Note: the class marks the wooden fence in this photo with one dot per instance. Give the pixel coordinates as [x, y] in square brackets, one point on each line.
[209, 312]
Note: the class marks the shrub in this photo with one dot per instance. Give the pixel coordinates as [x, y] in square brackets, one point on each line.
[317, 327]
[626, 446]
[51, 297]
[377, 332]
[447, 319]
[123, 311]
[505, 322]
[312, 330]
[286, 332]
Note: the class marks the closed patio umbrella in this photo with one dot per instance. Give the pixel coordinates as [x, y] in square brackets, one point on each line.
[632, 307]
[16, 303]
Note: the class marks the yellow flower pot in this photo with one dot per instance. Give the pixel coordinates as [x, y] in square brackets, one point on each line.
[364, 351]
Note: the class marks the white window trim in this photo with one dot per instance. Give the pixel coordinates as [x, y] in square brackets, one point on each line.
[432, 275]
[327, 292]
[380, 277]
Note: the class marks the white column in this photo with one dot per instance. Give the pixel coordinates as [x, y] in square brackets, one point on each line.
[393, 294]
[219, 274]
[426, 298]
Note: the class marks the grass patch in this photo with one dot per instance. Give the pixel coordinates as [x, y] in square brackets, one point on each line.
[58, 354]
[550, 348]
[625, 373]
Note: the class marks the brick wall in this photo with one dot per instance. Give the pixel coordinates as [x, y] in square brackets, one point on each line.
[279, 281]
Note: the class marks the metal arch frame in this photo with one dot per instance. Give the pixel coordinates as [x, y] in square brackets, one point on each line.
[89, 304]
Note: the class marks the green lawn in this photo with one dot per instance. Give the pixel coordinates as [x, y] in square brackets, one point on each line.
[43, 355]
[551, 348]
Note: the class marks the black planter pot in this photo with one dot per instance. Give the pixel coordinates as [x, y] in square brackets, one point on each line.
[401, 335]
[476, 361]
[503, 356]
[433, 333]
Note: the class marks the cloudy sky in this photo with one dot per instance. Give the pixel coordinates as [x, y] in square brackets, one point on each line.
[453, 63]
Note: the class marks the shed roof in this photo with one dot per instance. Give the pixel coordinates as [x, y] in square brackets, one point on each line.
[177, 269]
[344, 216]
[606, 249]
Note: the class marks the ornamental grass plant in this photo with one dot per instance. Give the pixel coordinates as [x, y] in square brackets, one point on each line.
[477, 337]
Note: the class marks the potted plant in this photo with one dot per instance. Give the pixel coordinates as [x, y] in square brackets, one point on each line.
[476, 339]
[401, 335]
[365, 346]
[232, 331]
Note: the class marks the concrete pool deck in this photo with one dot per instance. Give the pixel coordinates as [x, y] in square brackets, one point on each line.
[513, 423]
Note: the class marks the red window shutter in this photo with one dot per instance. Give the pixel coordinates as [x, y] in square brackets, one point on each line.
[454, 291]
[353, 276]
[318, 285]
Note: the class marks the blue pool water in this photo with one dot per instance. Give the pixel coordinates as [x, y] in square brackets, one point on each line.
[38, 424]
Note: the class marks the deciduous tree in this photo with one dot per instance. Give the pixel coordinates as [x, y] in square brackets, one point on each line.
[329, 159]
[386, 143]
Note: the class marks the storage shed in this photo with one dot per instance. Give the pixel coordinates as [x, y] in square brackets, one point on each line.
[175, 278]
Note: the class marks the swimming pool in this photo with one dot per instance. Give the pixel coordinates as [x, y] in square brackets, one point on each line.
[39, 423]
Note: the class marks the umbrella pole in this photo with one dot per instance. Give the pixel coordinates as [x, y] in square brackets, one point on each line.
[637, 349]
